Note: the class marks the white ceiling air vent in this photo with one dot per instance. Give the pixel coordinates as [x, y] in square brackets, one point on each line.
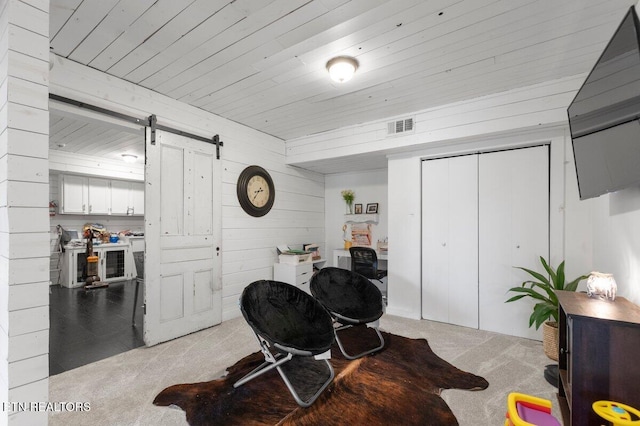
[400, 126]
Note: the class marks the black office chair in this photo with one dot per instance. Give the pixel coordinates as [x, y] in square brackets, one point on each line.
[364, 261]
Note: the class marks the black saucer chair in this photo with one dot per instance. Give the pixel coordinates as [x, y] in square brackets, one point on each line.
[351, 299]
[294, 332]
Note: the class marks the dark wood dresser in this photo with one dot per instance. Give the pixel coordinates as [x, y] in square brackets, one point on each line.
[599, 355]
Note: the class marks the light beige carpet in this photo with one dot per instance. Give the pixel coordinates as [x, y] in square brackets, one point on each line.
[121, 389]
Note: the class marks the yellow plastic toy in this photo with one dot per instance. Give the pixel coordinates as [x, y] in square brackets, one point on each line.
[527, 410]
[617, 413]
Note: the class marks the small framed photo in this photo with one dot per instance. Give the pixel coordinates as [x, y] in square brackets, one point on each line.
[372, 208]
[358, 209]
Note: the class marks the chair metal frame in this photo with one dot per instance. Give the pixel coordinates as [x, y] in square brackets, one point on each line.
[277, 360]
[284, 353]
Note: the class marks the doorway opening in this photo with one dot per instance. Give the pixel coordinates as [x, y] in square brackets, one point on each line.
[92, 185]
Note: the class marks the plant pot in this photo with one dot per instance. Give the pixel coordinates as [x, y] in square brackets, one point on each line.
[550, 339]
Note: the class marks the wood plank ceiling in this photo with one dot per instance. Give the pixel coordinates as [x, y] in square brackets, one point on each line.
[262, 63]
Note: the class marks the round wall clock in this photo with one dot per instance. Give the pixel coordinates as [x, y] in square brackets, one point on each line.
[255, 190]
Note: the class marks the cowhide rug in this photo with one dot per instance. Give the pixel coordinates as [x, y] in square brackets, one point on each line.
[399, 385]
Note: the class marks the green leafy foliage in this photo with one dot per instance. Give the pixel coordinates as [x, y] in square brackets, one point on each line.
[543, 290]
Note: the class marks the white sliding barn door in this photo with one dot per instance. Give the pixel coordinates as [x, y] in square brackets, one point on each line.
[183, 291]
[450, 240]
[514, 231]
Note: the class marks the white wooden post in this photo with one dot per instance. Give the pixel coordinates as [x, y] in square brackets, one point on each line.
[24, 219]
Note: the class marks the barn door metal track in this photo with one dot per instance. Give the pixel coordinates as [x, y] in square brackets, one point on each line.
[151, 121]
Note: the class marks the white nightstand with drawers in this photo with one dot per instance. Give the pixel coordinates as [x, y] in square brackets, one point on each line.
[298, 275]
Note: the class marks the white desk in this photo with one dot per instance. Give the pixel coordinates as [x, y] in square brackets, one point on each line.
[337, 254]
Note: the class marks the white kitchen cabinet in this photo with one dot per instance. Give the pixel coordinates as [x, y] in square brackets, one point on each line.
[73, 194]
[99, 196]
[482, 215]
[136, 197]
[127, 198]
[298, 275]
[120, 197]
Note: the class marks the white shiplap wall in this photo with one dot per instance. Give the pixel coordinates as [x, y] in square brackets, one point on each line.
[531, 107]
[24, 224]
[248, 243]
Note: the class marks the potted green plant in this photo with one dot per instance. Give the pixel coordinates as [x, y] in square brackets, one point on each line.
[348, 195]
[542, 289]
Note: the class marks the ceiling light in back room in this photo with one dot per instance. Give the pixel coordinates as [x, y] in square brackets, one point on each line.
[342, 68]
[129, 158]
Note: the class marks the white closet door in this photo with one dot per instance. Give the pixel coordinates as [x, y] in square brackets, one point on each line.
[450, 240]
[513, 231]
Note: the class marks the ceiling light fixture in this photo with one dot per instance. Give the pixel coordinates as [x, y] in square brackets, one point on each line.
[342, 68]
[129, 158]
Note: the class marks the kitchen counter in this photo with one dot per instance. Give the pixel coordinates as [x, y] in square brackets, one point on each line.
[83, 245]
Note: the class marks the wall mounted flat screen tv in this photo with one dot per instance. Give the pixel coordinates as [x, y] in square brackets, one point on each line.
[604, 116]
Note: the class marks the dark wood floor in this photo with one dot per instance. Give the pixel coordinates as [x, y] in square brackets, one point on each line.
[89, 325]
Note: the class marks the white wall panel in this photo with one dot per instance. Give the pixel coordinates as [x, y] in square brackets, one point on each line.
[28, 320]
[24, 296]
[24, 119]
[537, 106]
[20, 142]
[404, 238]
[29, 370]
[35, 391]
[24, 345]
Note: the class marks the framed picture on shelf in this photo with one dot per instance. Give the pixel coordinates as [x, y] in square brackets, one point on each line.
[358, 209]
[372, 208]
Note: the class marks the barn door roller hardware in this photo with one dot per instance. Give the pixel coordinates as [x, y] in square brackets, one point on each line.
[153, 124]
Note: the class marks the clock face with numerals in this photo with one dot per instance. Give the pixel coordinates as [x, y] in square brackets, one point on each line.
[255, 191]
